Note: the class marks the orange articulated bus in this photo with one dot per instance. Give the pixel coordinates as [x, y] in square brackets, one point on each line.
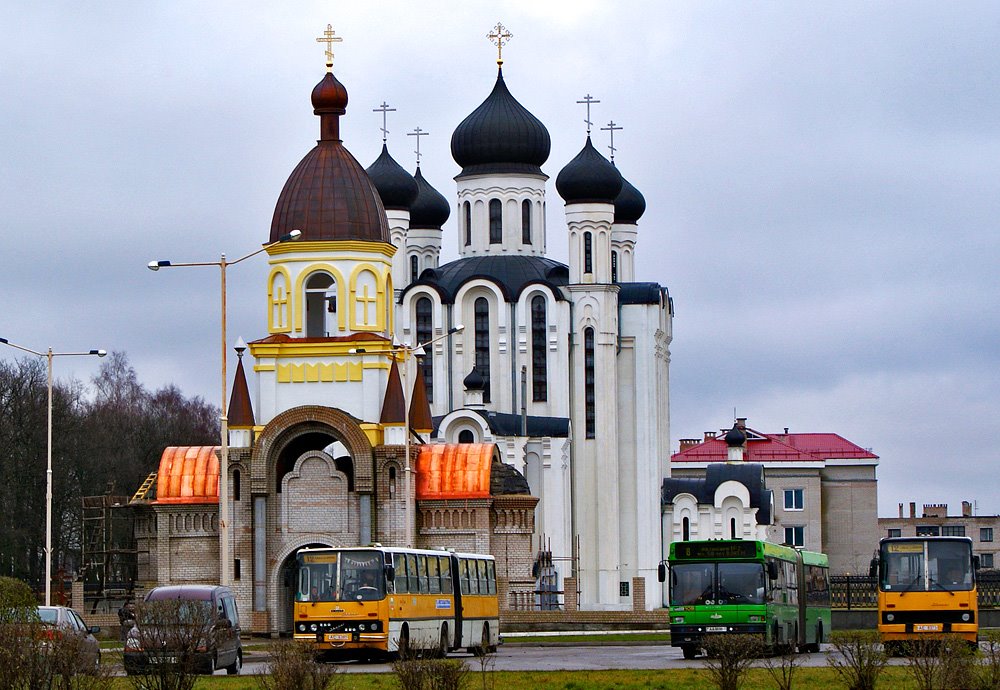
[926, 587]
[358, 603]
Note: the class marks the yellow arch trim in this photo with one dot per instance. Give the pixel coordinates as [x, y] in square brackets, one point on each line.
[300, 247]
[289, 299]
[381, 279]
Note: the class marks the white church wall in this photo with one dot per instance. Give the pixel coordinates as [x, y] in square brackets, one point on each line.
[510, 190]
[500, 345]
[557, 373]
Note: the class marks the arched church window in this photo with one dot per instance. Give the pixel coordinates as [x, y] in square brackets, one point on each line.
[588, 253]
[321, 304]
[539, 360]
[589, 383]
[526, 222]
[482, 342]
[425, 325]
[686, 529]
[392, 482]
[466, 436]
[614, 267]
[467, 217]
[413, 268]
[236, 485]
[732, 528]
[496, 221]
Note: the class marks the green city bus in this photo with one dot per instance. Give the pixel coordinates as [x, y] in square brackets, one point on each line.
[753, 587]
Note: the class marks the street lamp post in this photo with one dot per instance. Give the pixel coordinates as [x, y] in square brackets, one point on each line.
[407, 351]
[49, 354]
[222, 263]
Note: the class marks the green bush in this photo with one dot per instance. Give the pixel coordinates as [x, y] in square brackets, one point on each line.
[858, 658]
[728, 658]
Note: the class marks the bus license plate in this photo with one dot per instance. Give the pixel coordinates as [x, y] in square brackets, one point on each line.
[716, 628]
[927, 627]
[338, 637]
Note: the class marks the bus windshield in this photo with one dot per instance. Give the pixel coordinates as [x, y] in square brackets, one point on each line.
[716, 583]
[341, 576]
[926, 566]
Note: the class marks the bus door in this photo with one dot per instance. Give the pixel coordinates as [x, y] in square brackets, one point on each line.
[456, 586]
[800, 574]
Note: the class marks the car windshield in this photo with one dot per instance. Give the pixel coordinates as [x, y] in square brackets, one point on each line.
[50, 616]
[716, 583]
[341, 576]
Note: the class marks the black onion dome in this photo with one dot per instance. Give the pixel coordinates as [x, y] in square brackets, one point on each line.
[500, 136]
[329, 196]
[590, 177]
[735, 437]
[629, 204]
[395, 186]
[474, 381]
[430, 209]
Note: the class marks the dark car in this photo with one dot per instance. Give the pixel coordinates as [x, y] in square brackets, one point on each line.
[65, 622]
[193, 625]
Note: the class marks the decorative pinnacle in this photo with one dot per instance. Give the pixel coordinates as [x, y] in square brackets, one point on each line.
[588, 99]
[417, 132]
[384, 108]
[499, 37]
[611, 128]
[329, 39]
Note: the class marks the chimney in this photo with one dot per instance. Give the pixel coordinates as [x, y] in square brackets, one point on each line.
[688, 443]
[913, 509]
[900, 510]
[741, 422]
[966, 509]
[937, 510]
[709, 436]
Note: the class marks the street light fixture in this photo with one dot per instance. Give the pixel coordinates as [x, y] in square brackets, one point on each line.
[222, 263]
[407, 351]
[49, 354]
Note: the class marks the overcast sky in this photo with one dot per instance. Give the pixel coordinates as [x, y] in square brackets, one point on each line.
[822, 184]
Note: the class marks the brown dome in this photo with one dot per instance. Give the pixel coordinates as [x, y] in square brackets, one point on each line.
[329, 196]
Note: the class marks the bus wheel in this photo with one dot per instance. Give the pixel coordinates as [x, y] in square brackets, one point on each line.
[484, 647]
[442, 650]
[689, 651]
[403, 646]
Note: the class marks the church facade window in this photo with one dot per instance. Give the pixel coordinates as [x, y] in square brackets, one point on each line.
[525, 222]
[482, 342]
[466, 436]
[467, 219]
[539, 360]
[413, 268]
[496, 221]
[425, 325]
[614, 267]
[589, 383]
[686, 529]
[588, 253]
[321, 304]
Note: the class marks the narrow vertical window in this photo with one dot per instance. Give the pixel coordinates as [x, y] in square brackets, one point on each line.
[496, 221]
[732, 528]
[321, 300]
[482, 336]
[236, 485]
[588, 253]
[413, 268]
[686, 529]
[589, 383]
[467, 217]
[525, 222]
[614, 267]
[425, 324]
[539, 361]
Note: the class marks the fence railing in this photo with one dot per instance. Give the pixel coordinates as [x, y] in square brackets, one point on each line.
[859, 591]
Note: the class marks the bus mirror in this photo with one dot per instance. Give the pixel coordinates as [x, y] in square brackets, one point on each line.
[772, 570]
[975, 563]
[873, 568]
[661, 572]
[390, 573]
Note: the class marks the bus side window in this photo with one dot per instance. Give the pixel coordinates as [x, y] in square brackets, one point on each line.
[422, 572]
[492, 576]
[463, 573]
[402, 585]
[411, 568]
[484, 587]
[446, 582]
[433, 575]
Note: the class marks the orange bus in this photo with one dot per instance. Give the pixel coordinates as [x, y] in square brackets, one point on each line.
[369, 602]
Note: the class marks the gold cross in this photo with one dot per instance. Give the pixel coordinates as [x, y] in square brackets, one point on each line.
[365, 300]
[499, 37]
[329, 39]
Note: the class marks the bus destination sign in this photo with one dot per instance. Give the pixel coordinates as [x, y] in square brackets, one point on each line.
[715, 549]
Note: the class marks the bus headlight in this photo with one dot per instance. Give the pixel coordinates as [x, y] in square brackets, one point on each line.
[313, 627]
[361, 627]
[965, 617]
[890, 617]
[677, 619]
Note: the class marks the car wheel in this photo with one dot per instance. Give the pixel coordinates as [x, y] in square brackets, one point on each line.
[237, 665]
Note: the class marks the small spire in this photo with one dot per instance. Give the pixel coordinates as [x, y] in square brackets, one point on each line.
[417, 132]
[499, 37]
[384, 108]
[612, 127]
[240, 413]
[393, 405]
[329, 38]
[588, 99]
[420, 408]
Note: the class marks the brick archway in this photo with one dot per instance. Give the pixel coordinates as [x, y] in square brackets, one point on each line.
[305, 419]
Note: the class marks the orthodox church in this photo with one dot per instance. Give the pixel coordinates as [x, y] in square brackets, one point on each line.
[503, 402]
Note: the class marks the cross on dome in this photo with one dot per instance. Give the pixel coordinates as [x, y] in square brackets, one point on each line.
[611, 128]
[588, 99]
[417, 132]
[384, 108]
[499, 37]
[329, 39]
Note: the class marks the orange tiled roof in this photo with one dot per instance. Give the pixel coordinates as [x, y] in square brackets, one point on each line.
[455, 470]
[188, 474]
